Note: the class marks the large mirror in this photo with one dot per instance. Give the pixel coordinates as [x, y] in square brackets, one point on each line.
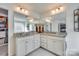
[57, 24]
[21, 23]
[76, 20]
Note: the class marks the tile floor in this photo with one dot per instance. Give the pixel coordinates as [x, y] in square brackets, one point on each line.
[4, 50]
[41, 52]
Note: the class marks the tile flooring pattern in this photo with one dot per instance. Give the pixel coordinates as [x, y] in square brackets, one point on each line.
[4, 50]
[41, 52]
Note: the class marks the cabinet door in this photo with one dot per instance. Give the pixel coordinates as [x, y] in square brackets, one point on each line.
[26, 45]
[30, 44]
[59, 47]
[36, 41]
[50, 44]
[20, 47]
[56, 45]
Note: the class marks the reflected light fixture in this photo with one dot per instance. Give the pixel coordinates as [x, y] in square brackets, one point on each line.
[31, 20]
[47, 20]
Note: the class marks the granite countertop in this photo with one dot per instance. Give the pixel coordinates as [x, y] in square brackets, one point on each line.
[23, 34]
[56, 34]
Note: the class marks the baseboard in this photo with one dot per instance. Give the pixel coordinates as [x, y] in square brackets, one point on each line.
[45, 49]
[42, 48]
[32, 51]
[51, 52]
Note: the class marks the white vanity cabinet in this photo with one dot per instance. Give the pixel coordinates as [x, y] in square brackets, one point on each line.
[27, 44]
[56, 45]
[53, 44]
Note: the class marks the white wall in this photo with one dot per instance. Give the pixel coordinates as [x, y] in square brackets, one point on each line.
[72, 38]
[10, 33]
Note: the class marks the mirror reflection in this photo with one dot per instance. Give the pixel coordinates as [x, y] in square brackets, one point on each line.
[56, 24]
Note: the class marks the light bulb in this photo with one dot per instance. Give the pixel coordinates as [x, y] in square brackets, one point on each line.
[57, 10]
[23, 10]
[53, 12]
[26, 12]
[61, 8]
[18, 8]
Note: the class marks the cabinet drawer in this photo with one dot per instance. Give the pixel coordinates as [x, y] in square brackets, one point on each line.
[43, 36]
[44, 45]
[43, 40]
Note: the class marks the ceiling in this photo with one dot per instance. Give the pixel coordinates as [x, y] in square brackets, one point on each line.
[39, 8]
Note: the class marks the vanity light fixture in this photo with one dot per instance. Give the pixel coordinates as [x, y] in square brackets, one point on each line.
[57, 10]
[22, 10]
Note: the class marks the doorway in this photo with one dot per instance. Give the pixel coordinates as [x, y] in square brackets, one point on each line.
[3, 32]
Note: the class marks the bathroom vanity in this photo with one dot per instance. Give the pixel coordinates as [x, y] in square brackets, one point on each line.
[29, 42]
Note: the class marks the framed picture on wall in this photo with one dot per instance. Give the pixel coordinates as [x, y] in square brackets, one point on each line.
[76, 20]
